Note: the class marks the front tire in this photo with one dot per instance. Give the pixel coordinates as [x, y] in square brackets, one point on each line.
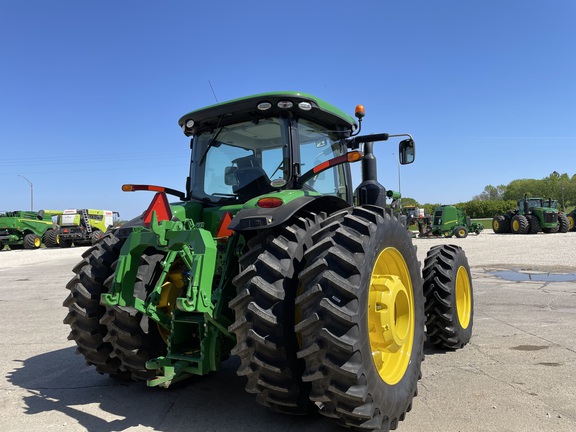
[449, 297]
[362, 319]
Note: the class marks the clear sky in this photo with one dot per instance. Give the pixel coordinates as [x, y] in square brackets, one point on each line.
[91, 92]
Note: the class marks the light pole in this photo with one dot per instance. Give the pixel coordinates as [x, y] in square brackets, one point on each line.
[31, 192]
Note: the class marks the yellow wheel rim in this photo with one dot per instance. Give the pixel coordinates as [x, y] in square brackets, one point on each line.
[37, 242]
[495, 225]
[570, 222]
[463, 297]
[391, 315]
[516, 225]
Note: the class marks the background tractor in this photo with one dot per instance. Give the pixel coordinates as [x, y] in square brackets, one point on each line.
[27, 229]
[451, 221]
[413, 215]
[271, 256]
[532, 216]
[83, 226]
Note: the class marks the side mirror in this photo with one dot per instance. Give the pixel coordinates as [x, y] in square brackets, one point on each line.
[407, 151]
[230, 175]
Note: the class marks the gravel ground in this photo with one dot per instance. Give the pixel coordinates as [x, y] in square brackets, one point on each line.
[539, 252]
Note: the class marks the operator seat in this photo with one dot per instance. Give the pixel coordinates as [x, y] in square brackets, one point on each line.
[252, 180]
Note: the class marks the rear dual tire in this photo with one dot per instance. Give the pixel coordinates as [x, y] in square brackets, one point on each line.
[110, 339]
[362, 319]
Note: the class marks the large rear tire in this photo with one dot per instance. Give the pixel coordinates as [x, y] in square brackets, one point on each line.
[571, 220]
[265, 314]
[519, 224]
[500, 225]
[32, 241]
[105, 335]
[563, 223]
[134, 338]
[533, 224]
[449, 297]
[51, 238]
[85, 310]
[362, 319]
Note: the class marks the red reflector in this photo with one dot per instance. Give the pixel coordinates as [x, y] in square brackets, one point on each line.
[160, 205]
[223, 231]
[271, 202]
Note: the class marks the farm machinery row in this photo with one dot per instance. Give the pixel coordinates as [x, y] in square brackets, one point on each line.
[270, 255]
[54, 228]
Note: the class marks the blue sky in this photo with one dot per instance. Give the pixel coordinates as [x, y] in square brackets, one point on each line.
[90, 92]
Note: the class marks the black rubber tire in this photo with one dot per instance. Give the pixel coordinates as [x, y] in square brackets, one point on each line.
[571, 220]
[449, 297]
[85, 310]
[50, 239]
[533, 224]
[500, 225]
[563, 223]
[461, 232]
[519, 224]
[335, 292]
[135, 339]
[96, 236]
[265, 314]
[65, 244]
[32, 241]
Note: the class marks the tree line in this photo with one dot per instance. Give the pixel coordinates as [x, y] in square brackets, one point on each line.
[499, 199]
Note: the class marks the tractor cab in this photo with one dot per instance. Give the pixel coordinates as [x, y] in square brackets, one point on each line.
[273, 142]
[264, 144]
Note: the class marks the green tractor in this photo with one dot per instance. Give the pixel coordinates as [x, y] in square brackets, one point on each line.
[532, 216]
[271, 256]
[27, 229]
[451, 221]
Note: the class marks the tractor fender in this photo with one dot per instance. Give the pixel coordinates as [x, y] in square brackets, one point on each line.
[252, 219]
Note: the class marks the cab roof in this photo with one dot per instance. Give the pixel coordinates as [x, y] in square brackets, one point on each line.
[247, 108]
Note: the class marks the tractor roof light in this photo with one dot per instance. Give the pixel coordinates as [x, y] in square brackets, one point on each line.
[285, 104]
[360, 112]
[269, 202]
[305, 106]
[189, 123]
[263, 106]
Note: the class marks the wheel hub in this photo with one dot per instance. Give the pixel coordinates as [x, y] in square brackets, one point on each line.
[391, 316]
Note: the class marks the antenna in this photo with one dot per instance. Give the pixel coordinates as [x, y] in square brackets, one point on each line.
[213, 91]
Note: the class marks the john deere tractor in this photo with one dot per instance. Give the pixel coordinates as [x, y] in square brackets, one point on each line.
[271, 256]
[532, 216]
[451, 221]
